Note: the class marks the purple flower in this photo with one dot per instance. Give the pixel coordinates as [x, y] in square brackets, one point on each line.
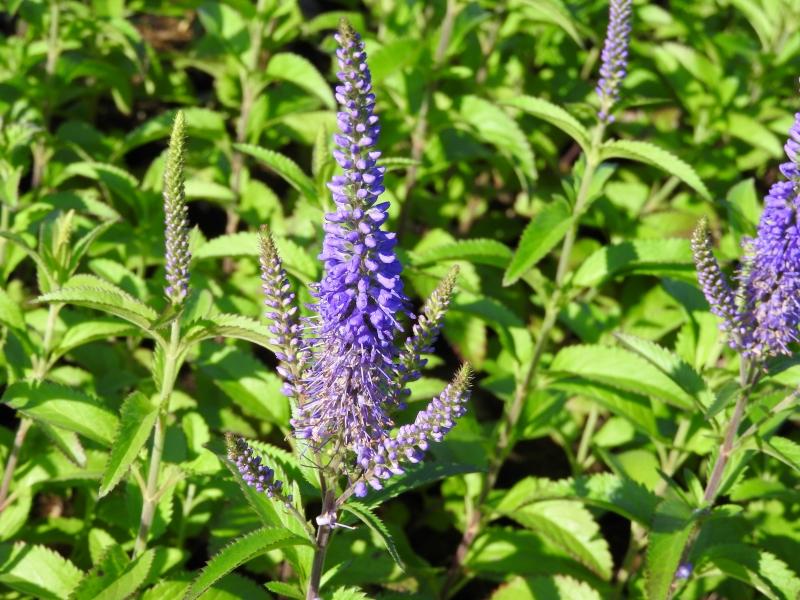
[256, 475]
[176, 218]
[713, 283]
[361, 294]
[614, 57]
[281, 310]
[684, 571]
[771, 277]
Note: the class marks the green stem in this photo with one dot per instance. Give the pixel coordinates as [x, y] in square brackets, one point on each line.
[321, 546]
[586, 437]
[41, 365]
[150, 493]
[514, 410]
[747, 379]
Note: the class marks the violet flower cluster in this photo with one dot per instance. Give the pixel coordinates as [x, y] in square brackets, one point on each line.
[343, 367]
[176, 217]
[762, 319]
[256, 475]
[614, 66]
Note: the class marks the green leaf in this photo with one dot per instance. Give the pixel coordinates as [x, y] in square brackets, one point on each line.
[366, 515]
[622, 369]
[569, 526]
[43, 267]
[82, 246]
[672, 526]
[116, 576]
[673, 366]
[785, 450]
[10, 313]
[654, 156]
[108, 299]
[231, 326]
[425, 473]
[482, 251]
[89, 331]
[668, 257]
[299, 71]
[66, 441]
[287, 590]
[243, 243]
[607, 491]
[553, 587]
[239, 552]
[349, 593]
[137, 417]
[553, 114]
[495, 127]
[541, 234]
[64, 407]
[283, 166]
[37, 571]
[760, 569]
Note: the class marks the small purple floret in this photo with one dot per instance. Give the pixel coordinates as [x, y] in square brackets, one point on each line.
[614, 57]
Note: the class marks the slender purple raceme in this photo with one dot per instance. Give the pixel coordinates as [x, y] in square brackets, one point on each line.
[614, 57]
[346, 367]
[764, 316]
[255, 474]
[176, 232]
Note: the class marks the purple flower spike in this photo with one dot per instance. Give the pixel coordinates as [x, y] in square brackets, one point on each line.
[771, 278]
[176, 218]
[614, 57]
[256, 475]
[713, 283]
[281, 310]
[361, 293]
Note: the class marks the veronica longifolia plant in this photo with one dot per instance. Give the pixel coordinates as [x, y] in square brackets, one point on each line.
[344, 367]
[761, 316]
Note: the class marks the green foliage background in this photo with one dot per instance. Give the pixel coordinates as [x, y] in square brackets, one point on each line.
[485, 108]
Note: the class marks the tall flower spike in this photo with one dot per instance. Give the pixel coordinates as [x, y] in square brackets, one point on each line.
[282, 311]
[176, 215]
[772, 283]
[256, 475]
[410, 441]
[713, 283]
[426, 330]
[350, 382]
[614, 57]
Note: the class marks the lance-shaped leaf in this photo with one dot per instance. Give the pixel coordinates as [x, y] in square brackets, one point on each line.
[553, 114]
[283, 166]
[137, 417]
[37, 571]
[239, 552]
[367, 516]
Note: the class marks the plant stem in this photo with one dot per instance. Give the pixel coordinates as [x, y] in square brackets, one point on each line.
[321, 546]
[53, 51]
[713, 486]
[40, 367]
[421, 129]
[586, 437]
[150, 493]
[511, 416]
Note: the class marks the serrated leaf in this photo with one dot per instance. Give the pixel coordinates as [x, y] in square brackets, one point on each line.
[482, 251]
[239, 552]
[663, 257]
[232, 326]
[569, 526]
[654, 156]
[554, 587]
[243, 243]
[673, 366]
[285, 589]
[553, 114]
[43, 268]
[366, 515]
[117, 576]
[89, 331]
[283, 166]
[63, 407]
[760, 569]
[349, 593]
[785, 450]
[622, 369]
[38, 571]
[108, 300]
[299, 71]
[494, 126]
[607, 491]
[66, 441]
[82, 246]
[10, 313]
[429, 471]
[137, 417]
[672, 526]
[540, 235]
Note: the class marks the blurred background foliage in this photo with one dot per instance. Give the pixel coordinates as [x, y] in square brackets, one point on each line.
[88, 91]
